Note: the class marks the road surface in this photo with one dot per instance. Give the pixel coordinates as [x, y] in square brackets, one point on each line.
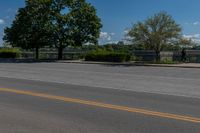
[77, 98]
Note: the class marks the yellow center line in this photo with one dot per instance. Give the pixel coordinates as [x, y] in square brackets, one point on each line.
[104, 105]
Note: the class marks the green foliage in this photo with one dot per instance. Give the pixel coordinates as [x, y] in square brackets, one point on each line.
[84, 24]
[54, 22]
[171, 47]
[107, 56]
[197, 47]
[155, 32]
[9, 53]
[30, 29]
[192, 59]
[74, 23]
[121, 48]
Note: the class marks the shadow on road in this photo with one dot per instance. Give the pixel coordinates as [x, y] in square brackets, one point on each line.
[26, 61]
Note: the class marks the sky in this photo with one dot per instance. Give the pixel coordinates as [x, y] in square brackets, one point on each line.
[119, 15]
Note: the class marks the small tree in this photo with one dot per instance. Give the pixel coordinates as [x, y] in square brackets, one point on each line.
[155, 32]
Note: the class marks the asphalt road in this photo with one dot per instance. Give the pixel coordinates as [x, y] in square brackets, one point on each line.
[103, 99]
[172, 81]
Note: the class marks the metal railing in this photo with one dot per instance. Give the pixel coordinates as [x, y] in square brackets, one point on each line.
[191, 55]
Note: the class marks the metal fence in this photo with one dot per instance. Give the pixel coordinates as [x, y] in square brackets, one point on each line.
[67, 55]
[140, 55]
[192, 56]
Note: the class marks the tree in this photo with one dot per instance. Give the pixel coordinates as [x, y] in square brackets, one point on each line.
[75, 23]
[54, 22]
[155, 32]
[60, 25]
[84, 24]
[186, 43]
[30, 29]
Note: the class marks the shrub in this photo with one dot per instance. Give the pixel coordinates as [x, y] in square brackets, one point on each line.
[106, 56]
[9, 53]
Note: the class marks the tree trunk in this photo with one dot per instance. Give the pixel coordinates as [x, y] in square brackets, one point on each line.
[37, 53]
[157, 56]
[60, 53]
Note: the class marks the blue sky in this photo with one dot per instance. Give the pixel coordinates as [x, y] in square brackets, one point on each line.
[118, 15]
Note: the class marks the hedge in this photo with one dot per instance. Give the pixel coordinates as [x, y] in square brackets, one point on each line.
[9, 53]
[106, 56]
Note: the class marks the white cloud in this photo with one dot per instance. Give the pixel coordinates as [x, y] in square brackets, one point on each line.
[126, 31]
[105, 36]
[193, 37]
[112, 34]
[112, 42]
[196, 23]
[2, 21]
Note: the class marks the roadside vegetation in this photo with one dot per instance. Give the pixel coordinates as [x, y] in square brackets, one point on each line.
[9, 53]
[108, 56]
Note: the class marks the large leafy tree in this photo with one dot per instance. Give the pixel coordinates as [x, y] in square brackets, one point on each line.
[30, 29]
[84, 24]
[60, 25]
[60, 22]
[155, 32]
[75, 23]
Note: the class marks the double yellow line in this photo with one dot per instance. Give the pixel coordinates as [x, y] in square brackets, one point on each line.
[104, 105]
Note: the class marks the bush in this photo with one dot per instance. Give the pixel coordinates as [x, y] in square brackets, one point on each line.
[9, 53]
[106, 56]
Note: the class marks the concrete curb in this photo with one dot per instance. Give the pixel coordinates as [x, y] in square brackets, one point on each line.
[177, 66]
[135, 64]
[186, 65]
